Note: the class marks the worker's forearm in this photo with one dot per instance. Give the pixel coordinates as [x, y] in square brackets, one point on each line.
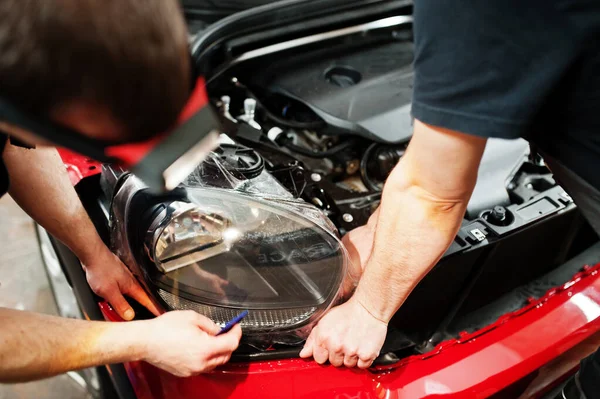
[40, 185]
[34, 346]
[422, 206]
[413, 232]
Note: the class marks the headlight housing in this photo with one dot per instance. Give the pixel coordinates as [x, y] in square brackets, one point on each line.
[224, 251]
[231, 238]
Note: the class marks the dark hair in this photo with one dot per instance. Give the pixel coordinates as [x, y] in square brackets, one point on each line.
[128, 56]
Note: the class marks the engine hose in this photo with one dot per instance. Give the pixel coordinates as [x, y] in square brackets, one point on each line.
[370, 184]
[322, 154]
[293, 124]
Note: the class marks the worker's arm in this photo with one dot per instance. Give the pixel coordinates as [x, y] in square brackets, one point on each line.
[40, 185]
[34, 346]
[423, 203]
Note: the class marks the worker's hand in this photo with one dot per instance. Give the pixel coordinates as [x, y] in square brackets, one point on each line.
[184, 343]
[346, 336]
[359, 244]
[111, 279]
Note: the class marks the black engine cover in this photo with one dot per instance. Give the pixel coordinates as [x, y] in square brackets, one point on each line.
[365, 91]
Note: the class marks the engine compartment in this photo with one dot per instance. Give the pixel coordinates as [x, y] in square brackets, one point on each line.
[331, 121]
[328, 126]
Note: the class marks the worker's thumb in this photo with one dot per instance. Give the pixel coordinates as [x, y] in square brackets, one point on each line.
[227, 342]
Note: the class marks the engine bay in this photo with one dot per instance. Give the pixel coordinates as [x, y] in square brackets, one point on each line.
[342, 172]
[319, 129]
[330, 122]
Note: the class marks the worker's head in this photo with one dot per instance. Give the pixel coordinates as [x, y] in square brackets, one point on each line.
[115, 70]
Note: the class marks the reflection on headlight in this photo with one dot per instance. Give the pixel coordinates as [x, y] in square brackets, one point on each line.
[231, 235]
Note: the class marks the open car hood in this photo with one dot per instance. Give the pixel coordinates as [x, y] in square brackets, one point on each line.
[275, 20]
[208, 12]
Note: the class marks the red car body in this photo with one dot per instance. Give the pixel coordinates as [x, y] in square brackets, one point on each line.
[524, 354]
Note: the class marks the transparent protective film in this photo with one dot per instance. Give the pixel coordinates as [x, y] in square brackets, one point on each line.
[215, 173]
[246, 244]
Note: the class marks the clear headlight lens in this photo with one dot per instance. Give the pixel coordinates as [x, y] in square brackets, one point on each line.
[227, 251]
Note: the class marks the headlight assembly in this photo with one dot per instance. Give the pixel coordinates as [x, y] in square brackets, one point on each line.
[228, 241]
[224, 251]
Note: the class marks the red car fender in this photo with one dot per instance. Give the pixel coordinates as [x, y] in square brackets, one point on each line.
[524, 354]
[78, 166]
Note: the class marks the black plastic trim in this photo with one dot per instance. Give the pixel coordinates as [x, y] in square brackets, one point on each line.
[520, 296]
[279, 354]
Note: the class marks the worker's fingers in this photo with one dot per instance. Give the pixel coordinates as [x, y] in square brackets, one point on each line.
[320, 354]
[215, 362]
[307, 351]
[219, 360]
[365, 364]
[136, 292]
[206, 324]
[336, 359]
[118, 302]
[350, 361]
[236, 331]
[227, 342]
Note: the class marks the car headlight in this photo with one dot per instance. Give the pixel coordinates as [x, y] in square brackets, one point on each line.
[223, 252]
